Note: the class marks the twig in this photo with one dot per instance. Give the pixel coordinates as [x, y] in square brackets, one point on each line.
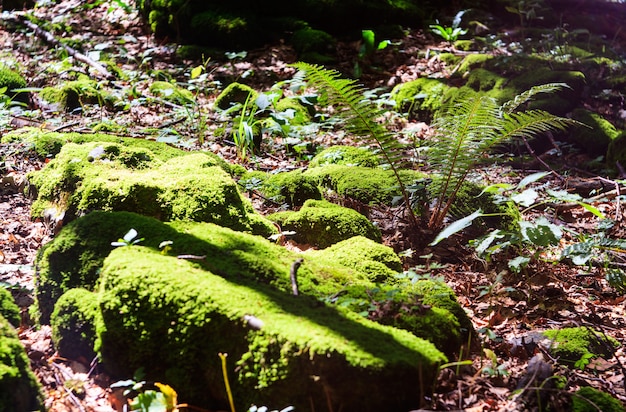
[21, 18]
[293, 275]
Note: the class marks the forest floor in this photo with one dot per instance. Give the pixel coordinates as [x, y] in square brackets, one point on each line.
[508, 309]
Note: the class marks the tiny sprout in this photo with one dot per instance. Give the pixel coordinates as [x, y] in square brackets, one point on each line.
[129, 239]
[165, 246]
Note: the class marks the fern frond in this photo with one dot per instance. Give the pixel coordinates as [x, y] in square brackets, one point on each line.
[360, 115]
[524, 97]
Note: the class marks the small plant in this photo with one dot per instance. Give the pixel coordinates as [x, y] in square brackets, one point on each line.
[147, 397]
[493, 368]
[450, 33]
[129, 239]
[369, 46]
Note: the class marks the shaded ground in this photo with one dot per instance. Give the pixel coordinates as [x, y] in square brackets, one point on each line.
[507, 309]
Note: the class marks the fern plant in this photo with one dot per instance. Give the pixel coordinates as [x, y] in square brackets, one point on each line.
[361, 117]
[469, 129]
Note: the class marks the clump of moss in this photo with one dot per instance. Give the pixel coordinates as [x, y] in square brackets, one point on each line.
[322, 223]
[299, 113]
[588, 399]
[73, 324]
[571, 344]
[345, 155]
[596, 138]
[616, 151]
[75, 94]
[12, 80]
[235, 93]
[421, 98]
[19, 389]
[376, 261]
[171, 93]
[293, 188]
[8, 309]
[315, 46]
[473, 61]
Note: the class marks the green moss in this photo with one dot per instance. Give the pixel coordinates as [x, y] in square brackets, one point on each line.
[296, 111]
[12, 80]
[616, 151]
[8, 309]
[571, 344]
[596, 138]
[473, 61]
[19, 389]
[588, 399]
[345, 155]
[465, 45]
[421, 98]
[366, 185]
[75, 94]
[171, 93]
[234, 93]
[322, 224]
[376, 261]
[308, 40]
[491, 84]
[293, 188]
[109, 176]
[73, 324]
[175, 325]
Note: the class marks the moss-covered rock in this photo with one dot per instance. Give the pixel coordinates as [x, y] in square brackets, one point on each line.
[596, 138]
[110, 176]
[314, 46]
[345, 155]
[293, 188]
[421, 98]
[588, 399]
[235, 93]
[376, 261]
[77, 93]
[19, 389]
[73, 323]
[8, 309]
[321, 223]
[473, 61]
[12, 80]
[570, 344]
[366, 185]
[616, 151]
[175, 326]
[295, 110]
[171, 92]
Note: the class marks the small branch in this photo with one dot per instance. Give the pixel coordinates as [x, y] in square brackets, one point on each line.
[191, 257]
[48, 37]
[293, 275]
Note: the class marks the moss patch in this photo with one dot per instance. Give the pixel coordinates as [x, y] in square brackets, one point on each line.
[345, 155]
[589, 399]
[596, 138]
[421, 98]
[234, 93]
[19, 389]
[322, 224]
[12, 80]
[8, 309]
[571, 344]
[376, 261]
[75, 94]
[171, 92]
[73, 324]
[293, 188]
[175, 325]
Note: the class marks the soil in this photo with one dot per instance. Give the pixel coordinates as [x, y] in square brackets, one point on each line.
[508, 309]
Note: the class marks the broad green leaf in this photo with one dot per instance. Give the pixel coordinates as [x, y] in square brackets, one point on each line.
[383, 44]
[456, 226]
[564, 195]
[196, 71]
[486, 241]
[541, 233]
[526, 198]
[518, 263]
[496, 188]
[368, 38]
[531, 178]
[130, 235]
[592, 209]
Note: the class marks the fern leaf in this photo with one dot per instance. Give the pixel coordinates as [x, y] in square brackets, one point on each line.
[530, 94]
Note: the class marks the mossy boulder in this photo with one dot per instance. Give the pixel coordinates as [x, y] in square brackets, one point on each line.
[588, 399]
[75, 94]
[19, 389]
[49, 144]
[171, 92]
[314, 46]
[110, 176]
[293, 188]
[596, 138]
[280, 347]
[8, 309]
[73, 323]
[295, 110]
[421, 98]
[321, 223]
[366, 185]
[12, 80]
[235, 93]
[376, 261]
[473, 61]
[570, 344]
[345, 155]
[616, 151]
